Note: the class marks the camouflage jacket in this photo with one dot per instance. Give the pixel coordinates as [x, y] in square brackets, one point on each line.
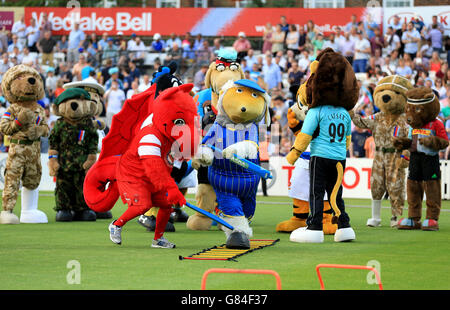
[383, 132]
[73, 143]
[9, 127]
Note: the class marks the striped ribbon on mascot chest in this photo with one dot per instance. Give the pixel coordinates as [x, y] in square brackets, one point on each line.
[81, 135]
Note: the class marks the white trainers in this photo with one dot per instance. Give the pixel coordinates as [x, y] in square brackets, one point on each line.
[115, 233]
[304, 235]
[394, 222]
[7, 217]
[162, 243]
[344, 235]
[373, 222]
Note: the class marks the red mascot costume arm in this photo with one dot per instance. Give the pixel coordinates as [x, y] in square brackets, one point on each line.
[149, 150]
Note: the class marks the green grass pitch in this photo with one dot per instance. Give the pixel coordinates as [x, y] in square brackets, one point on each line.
[38, 256]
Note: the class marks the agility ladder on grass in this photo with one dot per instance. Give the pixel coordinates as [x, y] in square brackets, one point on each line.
[222, 253]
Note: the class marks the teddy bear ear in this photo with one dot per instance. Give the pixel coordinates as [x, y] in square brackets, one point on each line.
[55, 109]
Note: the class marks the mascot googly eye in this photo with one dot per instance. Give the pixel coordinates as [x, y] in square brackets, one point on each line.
[220, 67]
[234, 66]
[179, 122]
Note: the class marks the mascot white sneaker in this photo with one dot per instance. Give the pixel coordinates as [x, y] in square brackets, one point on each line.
[304, 235]
[344, 235]
[29, 212]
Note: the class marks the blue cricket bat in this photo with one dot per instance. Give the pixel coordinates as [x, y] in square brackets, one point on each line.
[263, 173]
[210, 215]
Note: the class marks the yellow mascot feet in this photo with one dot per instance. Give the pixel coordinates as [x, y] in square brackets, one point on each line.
[290, 225]
[206, 200]
[328, 227]
[300, 212]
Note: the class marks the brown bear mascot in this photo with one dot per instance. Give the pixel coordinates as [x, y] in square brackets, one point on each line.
[426, 138]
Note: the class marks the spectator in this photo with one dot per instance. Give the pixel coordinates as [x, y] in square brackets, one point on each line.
[64, 73]
[255, 72]
[301, 39]
[277, 40]
[173, 39]
[295, 75]
[189, 52]
[435, 35]
[103, 42]
[135, 73]
[311, 30]
[15, 44]
[370, 25]
[251, 58]
[134, 90]
[51, 80]
[145, 83]
[280, 109]
[362, 53]
[75, 42]
[376, 41]
[369, 146]
[5, 64]
[86, 70]
[396, 23]
[304, 61]
[138, 50]
[32, 33]
[411, 39]
[292, 39]
[358, 142]
[241, 45]
[352, 24]
[111, 52]
[63, 45]
[318, 43]
[199, 77]
[347, 48]
[435, 62]
[391, 41]
[19, 30]
[45, 26]
[417, 23]
[331, 42]
[114, 73]
[114, 99]
[217, 46]
[204, 53]
[157, 44]
[198, 42]
[403, 69]
[46, 46]
[28, 58]
[285, 27]
[16, 55]
[186, 40]
[78, 67]
[272, 74]
[267, 38]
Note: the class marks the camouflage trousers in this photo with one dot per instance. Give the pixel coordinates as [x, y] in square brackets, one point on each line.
[69, 190]
[23, 165]
[387, 178]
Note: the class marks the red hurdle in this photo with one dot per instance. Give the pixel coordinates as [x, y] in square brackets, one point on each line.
[247, 271]
[322, 287]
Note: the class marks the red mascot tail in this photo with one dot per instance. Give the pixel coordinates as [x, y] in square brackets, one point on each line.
[100, 186]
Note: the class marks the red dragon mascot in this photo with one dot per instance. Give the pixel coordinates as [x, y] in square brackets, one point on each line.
[137, 156]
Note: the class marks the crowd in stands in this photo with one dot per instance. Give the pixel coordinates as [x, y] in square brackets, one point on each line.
[417, 50]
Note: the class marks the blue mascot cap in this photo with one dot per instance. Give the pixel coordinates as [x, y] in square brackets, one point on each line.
[250, 84]
[226, 54]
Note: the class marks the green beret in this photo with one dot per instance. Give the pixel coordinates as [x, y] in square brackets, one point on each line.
[72, 93]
